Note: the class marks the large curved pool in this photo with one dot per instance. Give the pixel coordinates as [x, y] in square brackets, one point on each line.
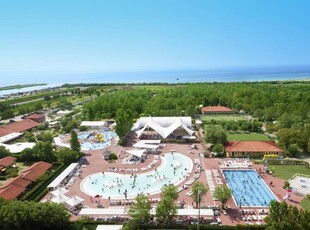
[173, 170]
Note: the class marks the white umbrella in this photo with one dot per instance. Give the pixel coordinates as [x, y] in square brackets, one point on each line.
[60, 199]
[76, 200]
[59, 191]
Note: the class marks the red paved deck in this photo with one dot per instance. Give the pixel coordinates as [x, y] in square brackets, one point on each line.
[97, 164]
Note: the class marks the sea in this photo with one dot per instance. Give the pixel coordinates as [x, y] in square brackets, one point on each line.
[171, 76]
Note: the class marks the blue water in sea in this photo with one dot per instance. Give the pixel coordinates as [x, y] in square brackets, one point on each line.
[184, 76]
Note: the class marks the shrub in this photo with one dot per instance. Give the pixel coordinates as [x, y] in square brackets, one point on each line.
[113, 156]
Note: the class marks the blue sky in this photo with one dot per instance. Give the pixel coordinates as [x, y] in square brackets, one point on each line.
[75, 36]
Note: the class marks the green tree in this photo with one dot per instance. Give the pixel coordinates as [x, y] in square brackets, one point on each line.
[215, 134]
[222, 193]
[67, 156]
[44, 151]
[45, 136]
[124, 122]
[28, 155]
[282, 216]
[218, 148]
[4, 152]
[30, 215]
[170, 191]
[286, 185]
[286, 137]
[198, 190]
[166, 209]
[29, 137]
[140, 211]
[74, 142]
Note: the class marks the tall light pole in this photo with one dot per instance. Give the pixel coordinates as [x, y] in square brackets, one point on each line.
[198, 210]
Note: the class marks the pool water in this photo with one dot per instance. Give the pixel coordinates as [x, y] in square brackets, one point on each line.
[173, 169]
[90, 142]
[248, 189]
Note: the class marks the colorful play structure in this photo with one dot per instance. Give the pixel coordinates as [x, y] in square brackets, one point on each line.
[99, 137]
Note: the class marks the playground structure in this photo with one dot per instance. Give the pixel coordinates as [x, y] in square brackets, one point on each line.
[99, 137]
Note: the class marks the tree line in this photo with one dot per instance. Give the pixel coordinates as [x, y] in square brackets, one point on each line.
[284, 106]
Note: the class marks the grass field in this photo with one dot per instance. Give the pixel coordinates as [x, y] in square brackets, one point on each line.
[247, 137]
[221, 117]
[287, 171]
[305, 204]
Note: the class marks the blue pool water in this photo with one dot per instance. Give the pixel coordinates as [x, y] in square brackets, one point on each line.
[248, 189]
[113, 184]
[90, 142]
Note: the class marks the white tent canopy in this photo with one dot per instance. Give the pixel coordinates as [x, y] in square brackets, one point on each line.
[59, 143]
[151, 141]
[59, 191]
[9, 137]
[75, 200]
[145, 146]
[123, 211]
[63, 112]
[93, 123]
[164, 126]
[136, 152]
[18, 147]
[60, 199]
[62, 176]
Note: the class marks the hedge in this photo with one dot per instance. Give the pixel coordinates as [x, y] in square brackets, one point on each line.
[287, 162]
[37, 192]
[180, 141]
[202, 227]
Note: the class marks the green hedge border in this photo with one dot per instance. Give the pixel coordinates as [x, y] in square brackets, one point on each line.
[202, 227]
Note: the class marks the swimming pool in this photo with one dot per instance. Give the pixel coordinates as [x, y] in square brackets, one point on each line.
[90, 141]
[173, 169]
[248, 189]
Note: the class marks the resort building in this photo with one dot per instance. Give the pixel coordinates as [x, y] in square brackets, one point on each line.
[164, 127]
[14, 130]
[63, 113]
[251, 148]
[15, 187]
[6, 162]
[38, 117]
[17, 127]
[216, 109]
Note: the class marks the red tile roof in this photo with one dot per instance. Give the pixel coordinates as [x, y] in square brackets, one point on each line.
[11, 192]
[38, 117]
[252, 146]
[18, 126]
[36, 170]
[7, 161]
[16, 186]
[35, 116]
[216, 109]
[18, 181]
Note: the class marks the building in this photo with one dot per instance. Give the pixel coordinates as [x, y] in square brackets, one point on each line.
[6, 162]
[251, 148]
[18, 127]
[16, 187]
[163, 127]
[216, 109]
[38, 117]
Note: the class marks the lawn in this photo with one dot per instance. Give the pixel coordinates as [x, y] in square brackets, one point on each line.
[287, 171]
[221, 117]
[305, 203]
[247, 137]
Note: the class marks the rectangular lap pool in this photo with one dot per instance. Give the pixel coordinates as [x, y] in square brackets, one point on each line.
[248, 189]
